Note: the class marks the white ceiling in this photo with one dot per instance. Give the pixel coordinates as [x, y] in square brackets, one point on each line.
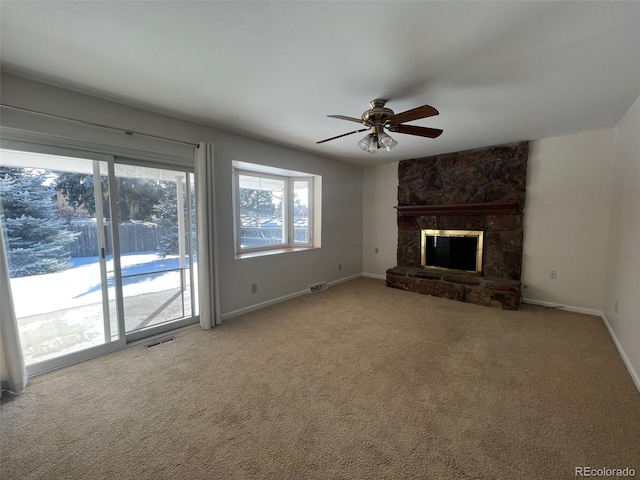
[497, 71]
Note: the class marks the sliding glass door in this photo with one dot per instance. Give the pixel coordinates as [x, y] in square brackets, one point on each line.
[156, 233]
[100, 252]
[51, 209]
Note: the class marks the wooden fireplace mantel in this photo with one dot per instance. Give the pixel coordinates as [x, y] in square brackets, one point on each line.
[496, 208]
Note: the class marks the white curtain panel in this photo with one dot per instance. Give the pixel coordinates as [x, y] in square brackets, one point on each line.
[13, 374]
[207, 236]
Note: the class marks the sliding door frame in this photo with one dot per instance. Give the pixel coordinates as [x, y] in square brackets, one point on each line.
[169, 325]
[115, 245]
[102, 248]
[20, 140]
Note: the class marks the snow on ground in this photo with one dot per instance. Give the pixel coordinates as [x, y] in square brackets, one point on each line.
[61, 313]
[80, 285]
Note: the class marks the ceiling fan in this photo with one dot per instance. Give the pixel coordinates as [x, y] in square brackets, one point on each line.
[377, 118]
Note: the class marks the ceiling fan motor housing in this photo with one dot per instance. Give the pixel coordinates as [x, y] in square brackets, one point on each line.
[377, 115]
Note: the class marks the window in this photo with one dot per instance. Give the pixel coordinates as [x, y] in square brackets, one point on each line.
[274, 209]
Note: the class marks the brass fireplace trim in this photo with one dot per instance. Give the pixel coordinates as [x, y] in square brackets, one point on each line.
[479, 234]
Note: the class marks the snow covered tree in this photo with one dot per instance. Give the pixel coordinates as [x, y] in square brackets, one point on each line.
[37, 241]
[165, 215]
[136, 196]
[257, 204]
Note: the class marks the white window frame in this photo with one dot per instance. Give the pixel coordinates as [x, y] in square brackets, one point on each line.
[310, 226]
[288, 209]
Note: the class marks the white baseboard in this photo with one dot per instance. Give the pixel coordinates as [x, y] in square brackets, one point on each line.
[568, 308]
[258, 306]
[374, 275]
[632, 371]
[634, 375]
[345, 279]
[284, 298]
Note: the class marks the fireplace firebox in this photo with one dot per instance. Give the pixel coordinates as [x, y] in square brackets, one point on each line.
[452, 250]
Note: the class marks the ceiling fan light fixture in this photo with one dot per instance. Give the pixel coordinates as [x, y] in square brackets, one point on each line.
[364, 143]
[369, 143]
[386, 141]
[373, 143]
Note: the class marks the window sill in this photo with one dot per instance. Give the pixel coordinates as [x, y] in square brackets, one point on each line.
[272, 251]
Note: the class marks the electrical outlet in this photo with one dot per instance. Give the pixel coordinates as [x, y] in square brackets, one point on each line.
[376, 251]
[254, 288]
[553, 274]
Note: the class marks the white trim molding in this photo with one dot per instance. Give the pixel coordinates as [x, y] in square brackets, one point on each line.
[632, 371]
[258, 306]
[284, 298]
[374, 275]
[568, 308]
[345, 279]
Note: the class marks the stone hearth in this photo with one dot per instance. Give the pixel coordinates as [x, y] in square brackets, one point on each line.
[465, 288]
[482, 189]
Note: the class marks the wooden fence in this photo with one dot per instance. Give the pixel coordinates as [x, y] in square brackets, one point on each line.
[134, 237]
[261, 236]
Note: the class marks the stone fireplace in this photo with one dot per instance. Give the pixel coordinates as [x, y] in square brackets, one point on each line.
[480, 191]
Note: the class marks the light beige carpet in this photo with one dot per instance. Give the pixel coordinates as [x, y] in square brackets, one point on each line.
[359, 381]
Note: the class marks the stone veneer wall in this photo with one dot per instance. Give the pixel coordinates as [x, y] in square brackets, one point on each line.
[482, 176]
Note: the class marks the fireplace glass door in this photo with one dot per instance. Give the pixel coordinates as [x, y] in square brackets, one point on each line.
[455, 250]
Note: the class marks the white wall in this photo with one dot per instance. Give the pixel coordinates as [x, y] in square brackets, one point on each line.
[276, 275]
[380, 195]
[566, 219]
[622, 280]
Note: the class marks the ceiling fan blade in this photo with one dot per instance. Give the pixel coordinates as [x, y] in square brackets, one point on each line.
[413, 114]
[343, 135]
[351, 119]
[413, 130]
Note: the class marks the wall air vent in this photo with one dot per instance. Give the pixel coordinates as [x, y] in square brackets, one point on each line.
[318, 287]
